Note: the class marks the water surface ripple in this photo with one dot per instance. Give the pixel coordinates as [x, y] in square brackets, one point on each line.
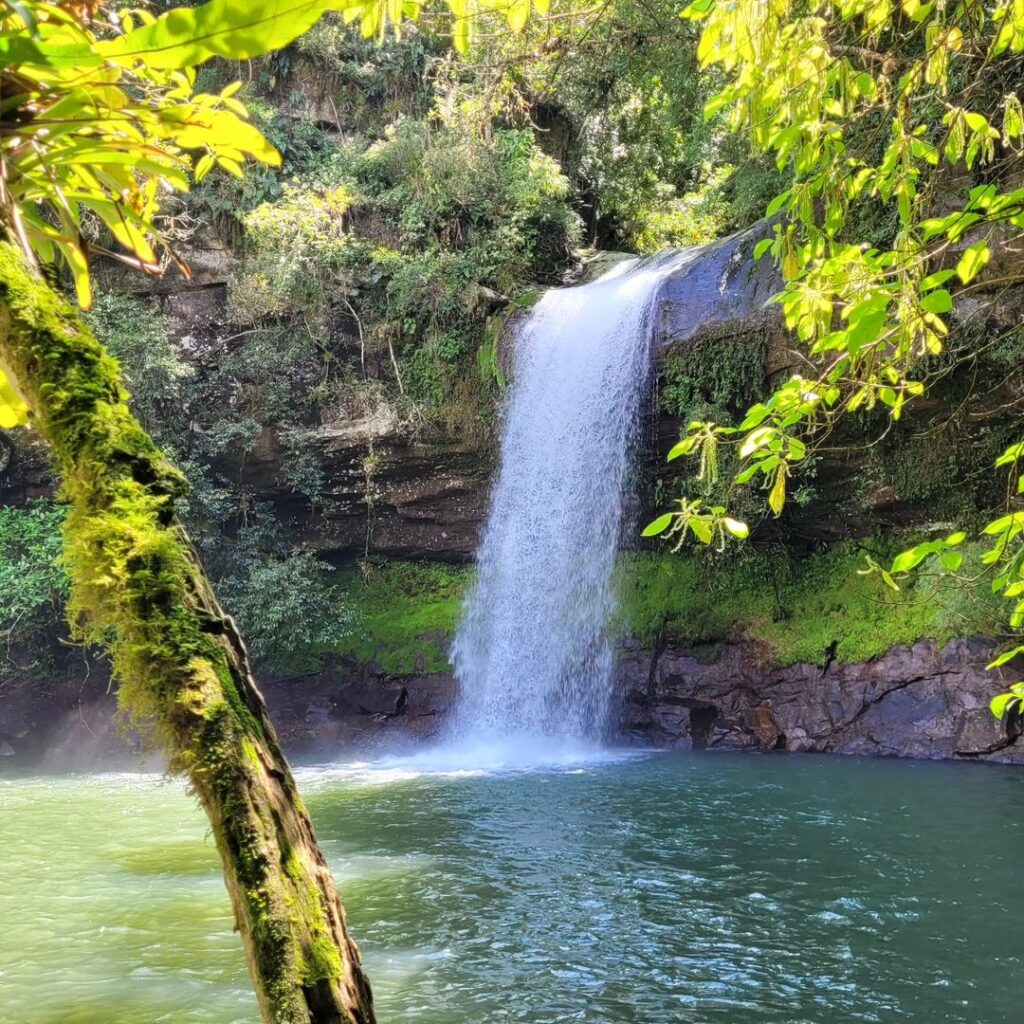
[656, 889]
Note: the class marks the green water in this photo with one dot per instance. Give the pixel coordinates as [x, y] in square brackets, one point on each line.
[645, 890]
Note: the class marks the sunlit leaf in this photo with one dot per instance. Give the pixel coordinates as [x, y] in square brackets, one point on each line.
[1006, 657]
[233, 29]
[777, 497]
[736, 528]
[658, 526]
[972, 262]
[1003, 703]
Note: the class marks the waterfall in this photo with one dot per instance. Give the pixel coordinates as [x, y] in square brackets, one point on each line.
[531, 654]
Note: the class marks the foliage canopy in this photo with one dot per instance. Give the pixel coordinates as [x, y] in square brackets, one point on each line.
[910, 108]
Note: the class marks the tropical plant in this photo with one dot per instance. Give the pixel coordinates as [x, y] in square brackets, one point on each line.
[100, 120]
[32, 577]
[869, 105]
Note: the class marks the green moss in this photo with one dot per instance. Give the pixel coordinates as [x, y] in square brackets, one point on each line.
[322, 960]
[795, 610]
[405, 614]
[138, 587]
[713, 379]
[791, 609]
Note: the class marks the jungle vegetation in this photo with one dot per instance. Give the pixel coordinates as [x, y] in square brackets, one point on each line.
[900, 131]
[419, 199]
[417, 191]
[388, 193]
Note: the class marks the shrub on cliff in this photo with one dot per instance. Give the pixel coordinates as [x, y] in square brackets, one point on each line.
[32, 578]
[413, 240]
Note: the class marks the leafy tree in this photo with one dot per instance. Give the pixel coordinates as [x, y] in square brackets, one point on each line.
[616, 92]
[906, 110]
[101, 118]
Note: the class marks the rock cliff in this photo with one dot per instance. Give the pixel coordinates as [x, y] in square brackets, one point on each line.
[425, 495]
[917, 702]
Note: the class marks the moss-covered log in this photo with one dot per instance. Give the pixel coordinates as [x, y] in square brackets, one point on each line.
[138, 587]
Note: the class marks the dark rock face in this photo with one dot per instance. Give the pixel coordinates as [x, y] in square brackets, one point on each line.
[721, 292]
[385, 492]
[913, 702]
[351, 709]
[68, 720]
[402, 491]
[63, 721]
[918, 702]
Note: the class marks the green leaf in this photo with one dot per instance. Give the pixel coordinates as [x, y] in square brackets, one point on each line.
[777, 498]
[518, 12]
[934, 280]
[762, 247]
[1005, 657]
[756, 439]
[27, 15]
[951, 560]
[1012, 454]
[913, 557]
[975, 258]
[683, 447]
[13, 411]
[939, 301]
[79, 266]
[736, 528]
[660, 525]
[889, 581]
[1011, 523]
[756, 415]
[702, 530]
[23, 51]
[233, 29]
[1002, 703]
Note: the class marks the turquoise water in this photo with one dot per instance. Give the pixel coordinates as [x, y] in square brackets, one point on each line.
[652, 889]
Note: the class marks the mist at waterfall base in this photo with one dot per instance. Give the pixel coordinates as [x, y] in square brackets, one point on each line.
[531, 654]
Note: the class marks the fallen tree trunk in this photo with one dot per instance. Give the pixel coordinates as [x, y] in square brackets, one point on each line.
[138, 587]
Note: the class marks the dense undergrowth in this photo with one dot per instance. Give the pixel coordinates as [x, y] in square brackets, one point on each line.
[420, 201]
[791, 610]
[794, 610]
[404, 615]
[401, 616]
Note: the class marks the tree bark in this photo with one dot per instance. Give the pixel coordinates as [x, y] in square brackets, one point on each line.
[139, 588]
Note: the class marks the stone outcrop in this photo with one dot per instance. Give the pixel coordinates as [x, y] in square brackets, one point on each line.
[915, 701]
[386, 491]
[918, 702]
[66, 718]
[720, 293]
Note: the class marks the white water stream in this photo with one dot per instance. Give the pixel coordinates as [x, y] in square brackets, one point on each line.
[531, 655]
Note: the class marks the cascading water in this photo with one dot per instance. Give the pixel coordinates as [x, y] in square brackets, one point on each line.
[531, 654]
